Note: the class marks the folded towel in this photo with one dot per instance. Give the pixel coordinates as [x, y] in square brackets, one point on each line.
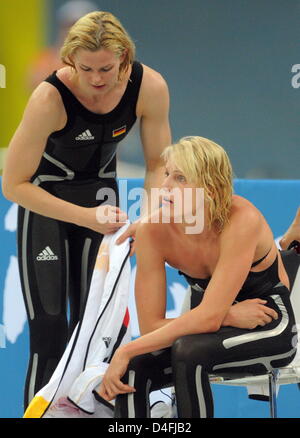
[104, 326]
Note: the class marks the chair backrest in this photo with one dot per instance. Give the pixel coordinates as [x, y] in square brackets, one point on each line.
[291, 261]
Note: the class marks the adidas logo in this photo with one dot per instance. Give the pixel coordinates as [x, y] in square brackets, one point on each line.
[46, 254]
[107, 341]
[86, 135]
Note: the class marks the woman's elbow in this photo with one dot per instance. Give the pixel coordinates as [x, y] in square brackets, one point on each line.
[215, 325]
[211, 324]
[212, 327]
[7, 193]
[8, 190]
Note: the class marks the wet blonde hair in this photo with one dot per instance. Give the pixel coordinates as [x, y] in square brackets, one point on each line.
[207, 165]
[99, 30]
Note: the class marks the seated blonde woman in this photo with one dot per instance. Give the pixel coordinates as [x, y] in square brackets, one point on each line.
[232, 258]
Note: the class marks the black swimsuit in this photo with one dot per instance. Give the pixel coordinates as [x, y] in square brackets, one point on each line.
[192, 358]
[256, 285]
[56, 259]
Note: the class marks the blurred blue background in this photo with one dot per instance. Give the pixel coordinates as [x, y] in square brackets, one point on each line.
[278, 201]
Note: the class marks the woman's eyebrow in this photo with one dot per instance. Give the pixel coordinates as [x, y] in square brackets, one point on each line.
[104, 66]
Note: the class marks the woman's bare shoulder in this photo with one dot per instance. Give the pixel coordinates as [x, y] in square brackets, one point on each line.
[152, 231]
[46, 93]
[243, 207]
[243, 216]
[153, 82]
[45, 106]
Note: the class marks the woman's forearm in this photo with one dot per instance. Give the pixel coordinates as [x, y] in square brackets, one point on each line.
[191, 322]
[40, 201]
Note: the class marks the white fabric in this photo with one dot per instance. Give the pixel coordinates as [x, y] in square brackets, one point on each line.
[83, 364]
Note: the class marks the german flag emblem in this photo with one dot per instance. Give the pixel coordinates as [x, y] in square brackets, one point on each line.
[119, 131]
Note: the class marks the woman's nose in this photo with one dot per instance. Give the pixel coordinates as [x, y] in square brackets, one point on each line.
[96, 79]
[166, 184]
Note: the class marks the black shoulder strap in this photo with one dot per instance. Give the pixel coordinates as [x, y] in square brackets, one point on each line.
[135, 80]
[67, 96]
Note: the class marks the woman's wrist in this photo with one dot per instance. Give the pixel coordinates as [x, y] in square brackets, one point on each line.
[229, 319]
[124, 352]
[79, 215]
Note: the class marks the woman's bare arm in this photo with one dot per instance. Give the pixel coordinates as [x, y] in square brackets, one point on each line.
[238, 245]
[237, 251]
[43, 115]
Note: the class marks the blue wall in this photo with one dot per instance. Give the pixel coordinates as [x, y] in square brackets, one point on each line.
[278, 201]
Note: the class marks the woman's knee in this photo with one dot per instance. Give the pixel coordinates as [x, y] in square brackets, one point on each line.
[48, 333]
[138, 369]
[141, 362]
[193, 349]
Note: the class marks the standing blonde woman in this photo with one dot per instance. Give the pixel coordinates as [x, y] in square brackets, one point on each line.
[62, 153]
[233, 259]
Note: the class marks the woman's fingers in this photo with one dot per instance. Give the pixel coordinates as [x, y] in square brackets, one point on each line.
[109, 389]
[117, 214]
[123, 237]
[269, 312]
[108, 214]
[118, 387]
[267, 315]
[132, 248]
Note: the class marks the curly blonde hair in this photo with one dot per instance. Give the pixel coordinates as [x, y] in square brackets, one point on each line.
[99, 30]
[206, 164]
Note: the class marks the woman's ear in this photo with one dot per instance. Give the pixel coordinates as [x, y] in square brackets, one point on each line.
[71, 62]
[123, 56]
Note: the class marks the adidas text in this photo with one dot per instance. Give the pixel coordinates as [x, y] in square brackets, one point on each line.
[46, 255]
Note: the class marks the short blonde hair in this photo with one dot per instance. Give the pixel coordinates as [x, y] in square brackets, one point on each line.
[207, 165]
[99, 30]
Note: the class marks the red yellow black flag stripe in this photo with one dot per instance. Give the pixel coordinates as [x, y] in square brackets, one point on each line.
[119, 131]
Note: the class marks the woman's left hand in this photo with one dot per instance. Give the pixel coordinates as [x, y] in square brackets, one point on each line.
[111, 384]
[129, 233]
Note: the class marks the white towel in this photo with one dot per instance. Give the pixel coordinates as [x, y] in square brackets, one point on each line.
[104, 326]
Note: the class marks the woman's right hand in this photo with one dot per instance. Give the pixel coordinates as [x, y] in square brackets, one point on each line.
[249, 314]
[105, 219]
